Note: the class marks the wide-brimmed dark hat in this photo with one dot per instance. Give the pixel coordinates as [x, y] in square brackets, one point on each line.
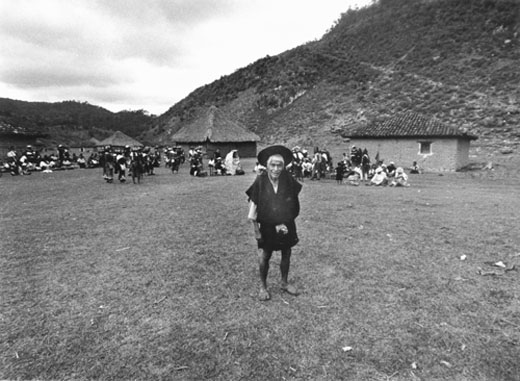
[266, 153]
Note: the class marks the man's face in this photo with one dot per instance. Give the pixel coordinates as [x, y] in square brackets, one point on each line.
[275, 167]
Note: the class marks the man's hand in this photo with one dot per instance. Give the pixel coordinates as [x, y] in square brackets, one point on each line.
[282, 229]
[258, 235]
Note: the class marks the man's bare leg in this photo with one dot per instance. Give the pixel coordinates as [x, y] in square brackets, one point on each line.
[264, 257]
[285, 263]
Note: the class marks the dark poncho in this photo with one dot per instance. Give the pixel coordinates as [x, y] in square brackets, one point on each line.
[276, 208]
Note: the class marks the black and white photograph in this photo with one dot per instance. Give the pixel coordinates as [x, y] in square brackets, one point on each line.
[260, 190]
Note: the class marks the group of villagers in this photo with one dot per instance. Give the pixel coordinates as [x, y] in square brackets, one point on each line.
[29, 159]
[225, 165]
[357, 168]
[127, 161]
[306, 165]
[353, 168]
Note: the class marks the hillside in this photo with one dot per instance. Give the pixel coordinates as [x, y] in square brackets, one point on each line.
[71, 122]
[455, 60]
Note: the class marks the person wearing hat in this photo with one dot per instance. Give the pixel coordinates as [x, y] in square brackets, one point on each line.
[61, 155]
[108, 163]
[274, 206]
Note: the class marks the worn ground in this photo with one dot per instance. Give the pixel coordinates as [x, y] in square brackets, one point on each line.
[158, 281]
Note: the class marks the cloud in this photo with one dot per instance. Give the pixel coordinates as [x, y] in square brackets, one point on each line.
[144, 54]
[181, 13]
[28, 78]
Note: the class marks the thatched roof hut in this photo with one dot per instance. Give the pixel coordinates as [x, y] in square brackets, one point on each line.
[214, 129]
[120, 140]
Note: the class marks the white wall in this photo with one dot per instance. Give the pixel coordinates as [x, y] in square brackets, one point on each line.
[446, 154]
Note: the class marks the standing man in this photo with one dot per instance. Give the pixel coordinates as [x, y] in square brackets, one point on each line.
[274, 206]
[108, 164]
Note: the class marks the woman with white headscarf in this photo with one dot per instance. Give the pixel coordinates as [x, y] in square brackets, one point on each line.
[232, 162]
[400, 179]
[380, 178]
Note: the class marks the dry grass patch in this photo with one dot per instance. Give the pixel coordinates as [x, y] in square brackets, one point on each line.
[159, 281]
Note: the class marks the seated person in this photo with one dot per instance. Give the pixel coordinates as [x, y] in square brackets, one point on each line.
[354, 176]
[380, 178]
[196, 166]
[415, 168]
[372, 171]
[390, 169]
[23, 163]
[400, 179]
[239, 170]
[82, 163]
[66, 161]
[93, 160]
[45, 163]
[307, 167]
[219, 166]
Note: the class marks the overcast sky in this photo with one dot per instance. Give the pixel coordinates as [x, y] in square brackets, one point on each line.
[145, 54]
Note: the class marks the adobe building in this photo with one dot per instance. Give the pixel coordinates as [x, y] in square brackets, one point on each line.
[410, 137]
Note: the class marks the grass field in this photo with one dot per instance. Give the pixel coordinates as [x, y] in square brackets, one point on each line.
[158, 281]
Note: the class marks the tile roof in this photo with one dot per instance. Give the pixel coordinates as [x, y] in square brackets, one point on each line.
[216, 127]
[409, 125]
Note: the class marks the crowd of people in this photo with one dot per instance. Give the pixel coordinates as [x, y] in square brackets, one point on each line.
[305, 165]
[229, 165]
[113, 160]
[128, 161]
[28, 160]
[358, 168]
[174, 157]
[354, 168]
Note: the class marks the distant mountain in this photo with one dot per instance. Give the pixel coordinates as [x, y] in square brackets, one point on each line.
[455, 60]
[72, 122]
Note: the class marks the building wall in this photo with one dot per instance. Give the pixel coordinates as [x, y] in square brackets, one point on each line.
[447, 154]
[462, 158]
[86, 151]
[246, 149]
